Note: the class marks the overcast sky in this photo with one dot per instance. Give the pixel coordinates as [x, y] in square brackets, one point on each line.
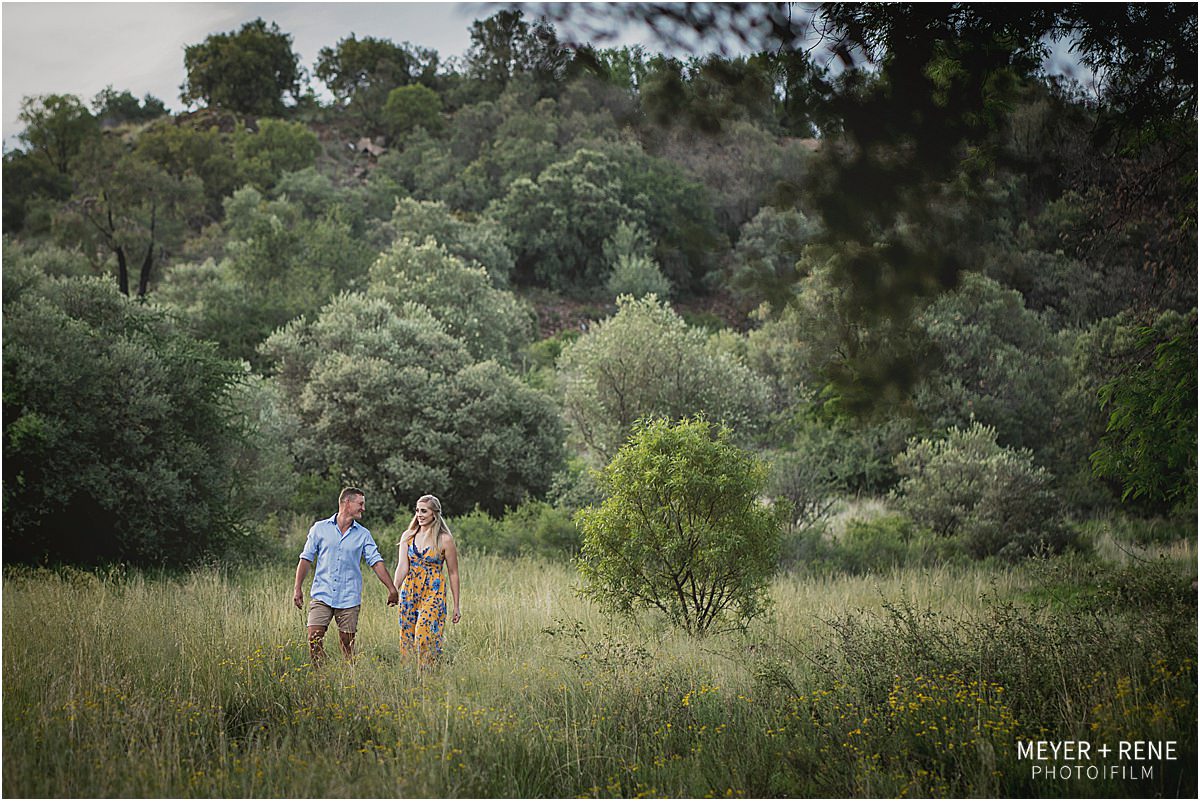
[79, 48]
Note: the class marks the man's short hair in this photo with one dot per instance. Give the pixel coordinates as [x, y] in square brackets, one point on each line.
[349, 492]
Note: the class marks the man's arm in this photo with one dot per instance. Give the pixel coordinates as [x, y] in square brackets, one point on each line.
[298, 592]
[393, 593]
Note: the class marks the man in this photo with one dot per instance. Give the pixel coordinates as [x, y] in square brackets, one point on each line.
[336, 545]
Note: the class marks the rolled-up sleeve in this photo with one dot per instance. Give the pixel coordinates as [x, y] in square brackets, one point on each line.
[310, 546]
[370, 552]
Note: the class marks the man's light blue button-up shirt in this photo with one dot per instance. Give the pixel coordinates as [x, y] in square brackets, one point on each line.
[337, 580]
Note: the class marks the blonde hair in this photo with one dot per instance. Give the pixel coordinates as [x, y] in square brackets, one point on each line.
[439, 523]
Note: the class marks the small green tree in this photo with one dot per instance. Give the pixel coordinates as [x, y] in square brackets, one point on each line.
[559, 223]
[126, 206]
[56, 128]
[768, 252]
[634, 272]
[278, 147]
[681, 528]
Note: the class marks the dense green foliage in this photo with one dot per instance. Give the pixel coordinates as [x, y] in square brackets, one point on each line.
[646, 361]
[1150, 444]
[248, 71]
[385, 399]
[995, 499]
[681, 528]
[946, 233]
[490, 322]
[93, 385]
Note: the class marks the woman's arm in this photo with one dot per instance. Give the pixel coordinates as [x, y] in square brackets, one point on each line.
[451, 551]
[402, 559]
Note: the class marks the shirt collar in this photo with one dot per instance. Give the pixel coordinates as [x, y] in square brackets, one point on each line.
[333, 520]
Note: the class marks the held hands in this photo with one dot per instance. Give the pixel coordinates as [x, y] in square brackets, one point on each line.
[393, 597]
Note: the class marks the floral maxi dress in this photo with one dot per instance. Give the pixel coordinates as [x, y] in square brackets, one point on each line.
[422, 607]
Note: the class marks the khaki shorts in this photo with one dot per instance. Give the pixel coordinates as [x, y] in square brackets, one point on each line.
[319, 614]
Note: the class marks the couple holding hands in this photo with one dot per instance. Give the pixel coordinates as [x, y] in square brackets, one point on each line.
[337, 544]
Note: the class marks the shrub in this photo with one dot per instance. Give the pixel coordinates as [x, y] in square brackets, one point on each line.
[996, 499]
[804, 481]
[398, 405]
[681, 528]
[121, 439]
[634, 272]
[998, 363]
[646, 361]
[477, 240]
[638, 276]
[877, 545]
[409, 107]
[534, 528]
[491, 322]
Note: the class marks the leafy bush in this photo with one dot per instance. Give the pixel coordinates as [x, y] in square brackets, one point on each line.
[491, 322]
[478, 241]
[646, 361]
[279, 147]
[559, 223]
[996, 499]
[768, 249]
[120, 437]
[681, 528]
[398, 406]
[535, 528]
[634, 272]
[1150, 442]
[999, 365]
[638, 276]
[866, 546]
[409, 107]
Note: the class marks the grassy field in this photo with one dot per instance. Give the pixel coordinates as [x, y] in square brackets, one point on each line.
[915, 683]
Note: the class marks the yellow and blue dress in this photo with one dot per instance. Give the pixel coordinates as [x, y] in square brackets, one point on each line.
[423, 606]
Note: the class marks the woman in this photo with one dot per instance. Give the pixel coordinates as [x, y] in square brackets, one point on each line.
[425, 546]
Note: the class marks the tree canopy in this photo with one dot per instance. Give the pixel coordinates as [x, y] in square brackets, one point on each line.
[248, 71]
[873, 229]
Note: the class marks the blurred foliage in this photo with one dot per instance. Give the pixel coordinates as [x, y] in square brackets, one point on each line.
[1150, 441]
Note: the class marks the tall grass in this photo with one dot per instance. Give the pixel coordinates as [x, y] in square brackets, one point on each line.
[137, 685]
